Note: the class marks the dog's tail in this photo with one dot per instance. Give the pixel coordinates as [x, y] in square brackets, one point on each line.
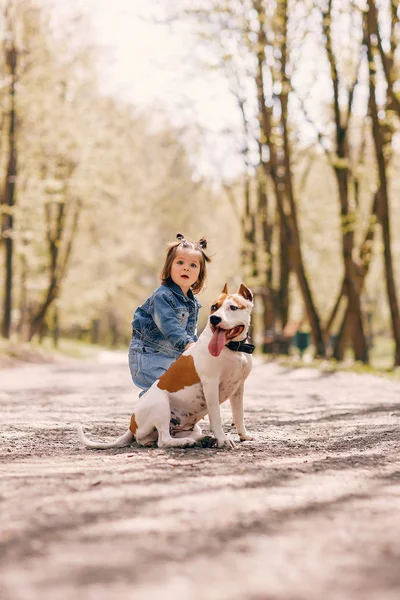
[122, 441]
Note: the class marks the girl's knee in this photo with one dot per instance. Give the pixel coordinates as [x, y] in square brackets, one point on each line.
[147, 367]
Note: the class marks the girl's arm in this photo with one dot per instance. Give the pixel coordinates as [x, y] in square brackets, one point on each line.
[165, 317]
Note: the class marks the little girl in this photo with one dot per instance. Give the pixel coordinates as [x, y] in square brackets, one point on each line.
[165, 325]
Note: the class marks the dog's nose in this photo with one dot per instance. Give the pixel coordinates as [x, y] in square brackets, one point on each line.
[214, 320]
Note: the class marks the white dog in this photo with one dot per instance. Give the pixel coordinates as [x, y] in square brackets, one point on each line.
[208, 373]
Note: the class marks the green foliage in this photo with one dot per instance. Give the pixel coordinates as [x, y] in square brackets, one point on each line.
[131, 184]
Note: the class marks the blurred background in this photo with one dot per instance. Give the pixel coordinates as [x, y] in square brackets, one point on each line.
[270, 127]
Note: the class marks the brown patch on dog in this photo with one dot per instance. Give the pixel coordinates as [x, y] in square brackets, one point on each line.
[218, 303]
[133, 425]
[182, 373]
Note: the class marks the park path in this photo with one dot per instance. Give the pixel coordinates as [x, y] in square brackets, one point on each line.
[309, 510]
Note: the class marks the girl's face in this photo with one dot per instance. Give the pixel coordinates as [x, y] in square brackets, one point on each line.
[185, 269]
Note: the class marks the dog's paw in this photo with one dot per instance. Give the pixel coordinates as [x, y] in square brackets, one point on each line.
[226, 442]
[246, 437]
[207, 441]
[188, 442]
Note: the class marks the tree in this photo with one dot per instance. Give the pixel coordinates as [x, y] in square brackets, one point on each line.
[341, 165]
[11, 54]
[381, 144]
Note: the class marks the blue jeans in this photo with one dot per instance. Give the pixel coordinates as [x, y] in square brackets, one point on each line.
[146, 364]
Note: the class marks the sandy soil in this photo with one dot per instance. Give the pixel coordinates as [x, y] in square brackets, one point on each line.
[310, 510]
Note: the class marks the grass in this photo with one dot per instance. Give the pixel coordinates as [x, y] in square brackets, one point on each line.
[13, 352]
[381, 361]
[382, 353]
[67, 347]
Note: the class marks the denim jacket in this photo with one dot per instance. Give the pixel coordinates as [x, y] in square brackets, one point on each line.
[167, 321]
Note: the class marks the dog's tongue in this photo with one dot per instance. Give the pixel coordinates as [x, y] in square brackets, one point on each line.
[217, 342]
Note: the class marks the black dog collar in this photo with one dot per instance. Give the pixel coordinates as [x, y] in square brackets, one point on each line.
[241, 347]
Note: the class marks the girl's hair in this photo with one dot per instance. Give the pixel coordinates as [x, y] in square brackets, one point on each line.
[183, 244]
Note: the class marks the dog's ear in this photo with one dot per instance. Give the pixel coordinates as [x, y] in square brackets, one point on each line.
[225, 290]
[245, 292]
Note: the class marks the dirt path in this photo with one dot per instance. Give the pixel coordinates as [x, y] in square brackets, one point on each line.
[308, 511]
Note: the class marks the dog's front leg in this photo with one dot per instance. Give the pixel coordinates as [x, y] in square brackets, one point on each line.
[237, 413]
[211, 393]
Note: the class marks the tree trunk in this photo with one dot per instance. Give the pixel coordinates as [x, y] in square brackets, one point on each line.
[294, 234]
[365, 256]
[284, 275]
[55, 326]
[37, 322]
[266, 230]
[383, 206]
[9, 200]
[60, 242]
[354, 321]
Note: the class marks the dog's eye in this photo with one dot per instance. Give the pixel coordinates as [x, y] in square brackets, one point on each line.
[214, 307]
[233, 307]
